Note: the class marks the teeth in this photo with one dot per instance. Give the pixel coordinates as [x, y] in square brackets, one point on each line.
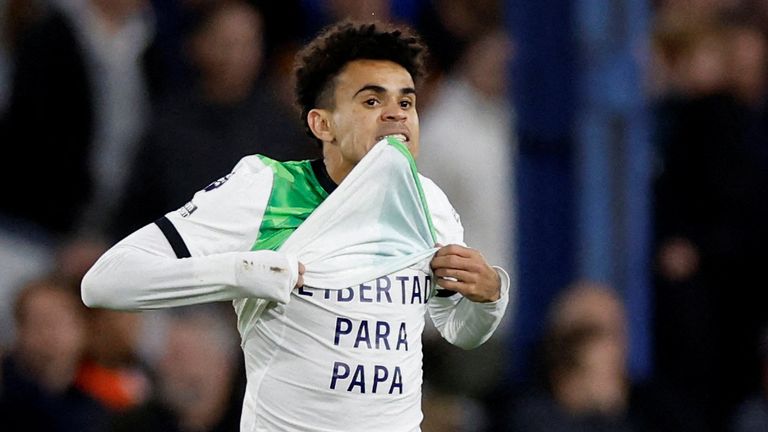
[399, 137]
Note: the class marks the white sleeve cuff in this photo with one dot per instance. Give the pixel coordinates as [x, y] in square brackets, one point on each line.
[505, 282]
[266, 274]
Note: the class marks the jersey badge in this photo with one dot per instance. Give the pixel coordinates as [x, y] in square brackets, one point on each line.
[188, 209]
[218, 183]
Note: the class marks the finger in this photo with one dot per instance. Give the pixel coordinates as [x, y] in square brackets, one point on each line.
[452, 285]
[454, 249]
[470, 291]
[450, 262]
[458, 275]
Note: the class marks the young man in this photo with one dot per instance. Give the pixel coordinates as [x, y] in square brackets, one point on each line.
[342, 352]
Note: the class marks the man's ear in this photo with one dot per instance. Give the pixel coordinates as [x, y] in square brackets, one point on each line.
[320, 124]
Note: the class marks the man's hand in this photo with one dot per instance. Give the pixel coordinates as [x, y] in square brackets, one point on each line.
[474, 278]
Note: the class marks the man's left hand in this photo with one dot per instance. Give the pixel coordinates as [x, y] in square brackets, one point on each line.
[469, 273]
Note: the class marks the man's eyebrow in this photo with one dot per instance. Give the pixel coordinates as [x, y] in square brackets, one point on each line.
[372, 87]
[379, 89]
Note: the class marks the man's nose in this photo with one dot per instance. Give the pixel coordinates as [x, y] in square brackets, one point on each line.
[394, 112]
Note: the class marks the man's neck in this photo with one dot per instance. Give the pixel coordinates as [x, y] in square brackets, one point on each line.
[337, 167]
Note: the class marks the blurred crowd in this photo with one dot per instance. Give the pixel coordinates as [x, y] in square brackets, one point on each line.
[113, 112]
[709, 88]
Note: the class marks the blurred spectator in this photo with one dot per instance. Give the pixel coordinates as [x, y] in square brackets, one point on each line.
[690, 54]
[79, 90]
[172, 18]
[469, 123]
[21, 260]
[200, 377]
[448, 26]
[711, 210]
[446, 412]
[112, 371]
[752, 414]
[586, 386]
[15, 17]
[80, 93]
[198, 135]
[38, 392]
[699, 54]
[749, 62]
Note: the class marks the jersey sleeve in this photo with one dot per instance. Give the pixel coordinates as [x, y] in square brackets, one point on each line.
[460, 321]
[198, 254]
[226, 215]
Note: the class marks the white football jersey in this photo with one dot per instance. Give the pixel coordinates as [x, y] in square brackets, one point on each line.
[343, 353]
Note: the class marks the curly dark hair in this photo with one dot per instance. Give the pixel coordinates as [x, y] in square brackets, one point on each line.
[318, 63]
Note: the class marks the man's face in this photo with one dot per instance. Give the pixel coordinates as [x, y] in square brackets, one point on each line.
[229, 49]
[372, 99]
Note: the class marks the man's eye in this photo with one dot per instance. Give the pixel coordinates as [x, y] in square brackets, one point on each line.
[406, 104]
[371, 102]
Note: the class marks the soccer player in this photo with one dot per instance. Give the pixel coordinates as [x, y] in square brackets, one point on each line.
[319, 359]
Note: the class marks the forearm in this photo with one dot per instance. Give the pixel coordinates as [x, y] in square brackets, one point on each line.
[142, 272]
[468, 324]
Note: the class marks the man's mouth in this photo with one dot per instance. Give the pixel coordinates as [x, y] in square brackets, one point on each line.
[398, 136]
